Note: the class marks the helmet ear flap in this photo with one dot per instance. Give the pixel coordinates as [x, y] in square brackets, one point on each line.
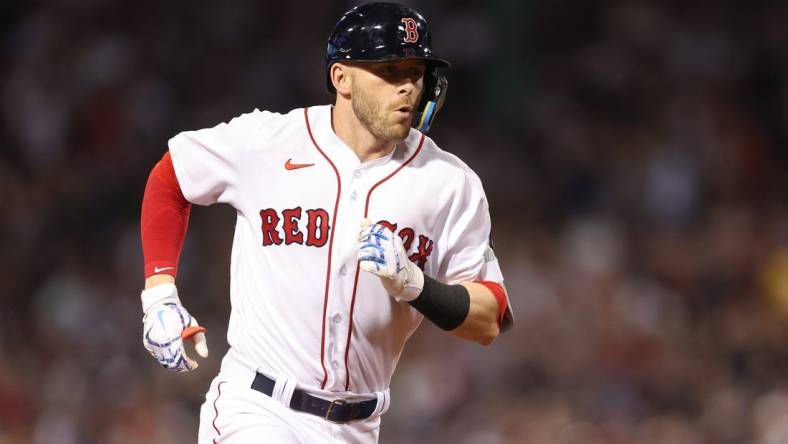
[435, 87]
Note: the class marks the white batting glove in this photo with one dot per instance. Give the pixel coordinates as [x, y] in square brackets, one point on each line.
[381, 253]
[165, 326]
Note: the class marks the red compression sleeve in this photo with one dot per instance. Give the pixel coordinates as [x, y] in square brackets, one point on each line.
[165, 217]
[500, 295]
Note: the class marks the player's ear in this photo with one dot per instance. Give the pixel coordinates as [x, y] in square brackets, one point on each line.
[341, 78]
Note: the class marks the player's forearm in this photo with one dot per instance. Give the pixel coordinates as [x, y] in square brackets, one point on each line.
[469, 311]
[163, 223]
[481, 324]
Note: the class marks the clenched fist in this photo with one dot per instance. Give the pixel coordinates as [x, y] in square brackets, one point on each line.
[166, 324]
[381, 253]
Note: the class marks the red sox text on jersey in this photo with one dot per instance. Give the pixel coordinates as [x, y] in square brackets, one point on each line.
[283, 227]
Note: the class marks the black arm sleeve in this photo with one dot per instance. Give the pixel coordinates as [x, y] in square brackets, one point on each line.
[445, 305]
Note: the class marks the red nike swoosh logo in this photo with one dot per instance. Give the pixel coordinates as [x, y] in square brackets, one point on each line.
[294, 166]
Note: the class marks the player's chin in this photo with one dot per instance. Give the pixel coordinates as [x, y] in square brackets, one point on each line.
[403, 130]
[399, 130]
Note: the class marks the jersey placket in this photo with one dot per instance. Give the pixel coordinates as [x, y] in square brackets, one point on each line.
[344, 268]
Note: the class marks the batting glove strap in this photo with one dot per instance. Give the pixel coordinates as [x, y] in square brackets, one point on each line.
[414, 284]
[163, 293]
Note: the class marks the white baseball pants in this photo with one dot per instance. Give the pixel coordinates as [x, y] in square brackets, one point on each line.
[234, 413]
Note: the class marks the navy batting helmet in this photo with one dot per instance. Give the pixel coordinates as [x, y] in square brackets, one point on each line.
[390, 31]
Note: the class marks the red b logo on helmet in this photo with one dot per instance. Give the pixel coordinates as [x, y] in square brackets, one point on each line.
[411, 32]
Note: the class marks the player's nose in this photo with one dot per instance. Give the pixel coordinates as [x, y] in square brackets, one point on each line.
[406, 86]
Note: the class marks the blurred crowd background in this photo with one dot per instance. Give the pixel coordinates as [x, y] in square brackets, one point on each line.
[633, 153]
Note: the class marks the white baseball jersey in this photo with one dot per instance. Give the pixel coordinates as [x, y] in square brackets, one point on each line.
[301, 308]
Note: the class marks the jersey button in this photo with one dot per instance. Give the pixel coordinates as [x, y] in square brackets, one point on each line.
[343, 270]
[357, 174]
[334, 365]
[354, 195]
[337, 318]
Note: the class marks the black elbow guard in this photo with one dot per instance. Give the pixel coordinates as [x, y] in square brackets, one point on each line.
[445, 305]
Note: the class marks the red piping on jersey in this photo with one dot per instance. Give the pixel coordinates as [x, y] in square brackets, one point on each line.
[215, 409]
[330, 248]
[355, 282]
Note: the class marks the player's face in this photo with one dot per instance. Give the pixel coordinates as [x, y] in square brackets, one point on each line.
[384, 96]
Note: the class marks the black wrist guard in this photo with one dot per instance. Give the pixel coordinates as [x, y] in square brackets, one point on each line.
[445, 305]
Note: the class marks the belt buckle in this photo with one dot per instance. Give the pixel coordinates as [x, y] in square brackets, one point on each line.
[331, 408]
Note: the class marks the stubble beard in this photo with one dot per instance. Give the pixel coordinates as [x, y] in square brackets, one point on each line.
[377, 121]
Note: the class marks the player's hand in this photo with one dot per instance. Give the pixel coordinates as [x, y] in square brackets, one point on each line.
[166, 324]
[381, 253]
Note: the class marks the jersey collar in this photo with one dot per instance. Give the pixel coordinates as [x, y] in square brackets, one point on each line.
[320, 120]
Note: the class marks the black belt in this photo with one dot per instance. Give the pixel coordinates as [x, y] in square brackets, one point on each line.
[337, 410]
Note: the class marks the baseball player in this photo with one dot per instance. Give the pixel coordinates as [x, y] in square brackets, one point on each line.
[352, 227]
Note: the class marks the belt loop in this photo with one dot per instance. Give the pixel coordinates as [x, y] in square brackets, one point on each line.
[283, 390]
[287, 391]
[384, 401]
